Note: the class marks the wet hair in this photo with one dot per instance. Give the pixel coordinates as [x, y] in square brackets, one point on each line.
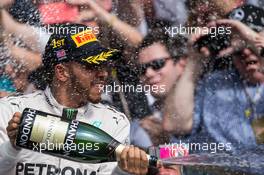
[40, 80]
[176, 45]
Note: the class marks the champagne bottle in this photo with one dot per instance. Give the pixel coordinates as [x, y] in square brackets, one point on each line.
[69, 139]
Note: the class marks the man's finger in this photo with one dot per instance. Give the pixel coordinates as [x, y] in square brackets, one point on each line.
[17, 117]
[14, 126]
[11, 126]
[143, 163]
[17, 114]
[226, 52]
[12, 134]
[131, 158]
[137, 160]
[123, 159]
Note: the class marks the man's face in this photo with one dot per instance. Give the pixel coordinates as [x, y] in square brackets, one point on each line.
[161, 78]
[87, 83]
[249, 66]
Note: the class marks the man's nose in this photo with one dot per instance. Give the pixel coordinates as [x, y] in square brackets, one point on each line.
[247, 52]
[150, 72]
[102, 73]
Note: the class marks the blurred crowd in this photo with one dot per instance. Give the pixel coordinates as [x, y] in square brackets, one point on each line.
[202, 88]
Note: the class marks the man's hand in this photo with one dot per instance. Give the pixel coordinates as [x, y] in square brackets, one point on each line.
[203, 51]
[12, 127]
[238, 28]
[134, 161]
[243, 36]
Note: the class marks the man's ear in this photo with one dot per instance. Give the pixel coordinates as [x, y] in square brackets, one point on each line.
[183, 62]
[62, 72]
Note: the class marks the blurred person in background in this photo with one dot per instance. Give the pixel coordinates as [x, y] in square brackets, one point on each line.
[161, 62]
[14, 71]
[225, 107]
[19, 59]
[21, 18]
[23, 41]
[202, 12]
[6, 84]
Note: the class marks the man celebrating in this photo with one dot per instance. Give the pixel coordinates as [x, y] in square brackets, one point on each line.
[162, 62]
[75, 69]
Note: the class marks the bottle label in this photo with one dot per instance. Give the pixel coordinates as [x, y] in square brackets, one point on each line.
[49, 131]
[45, 132]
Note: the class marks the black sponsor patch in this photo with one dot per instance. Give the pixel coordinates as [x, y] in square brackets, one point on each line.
[69, 114]
[47, 169]
[25, 129]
